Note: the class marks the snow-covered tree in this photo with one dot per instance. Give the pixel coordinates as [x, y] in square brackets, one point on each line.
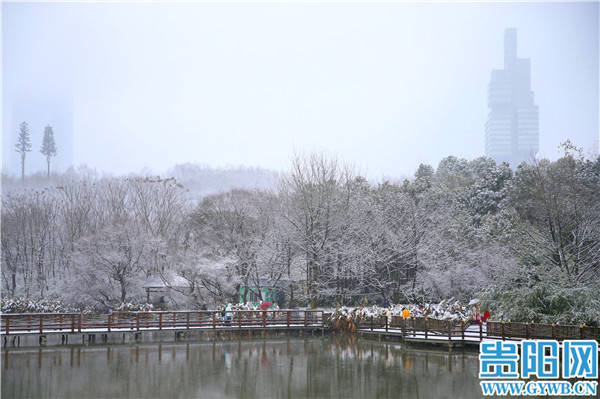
[23, 145]
[110, 264]
[314, 206]
[326, 236]
[48, 148]
[560, 200]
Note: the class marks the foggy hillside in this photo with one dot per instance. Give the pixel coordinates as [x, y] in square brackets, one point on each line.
[199, 181]
[202, 180]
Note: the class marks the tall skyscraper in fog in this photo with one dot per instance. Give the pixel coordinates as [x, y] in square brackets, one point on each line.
[512, 129]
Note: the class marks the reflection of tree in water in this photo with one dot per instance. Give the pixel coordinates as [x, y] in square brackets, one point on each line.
[263, 356]
[338, 366]
[343, 340]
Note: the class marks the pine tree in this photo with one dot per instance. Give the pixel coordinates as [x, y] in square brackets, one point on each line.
[23, 145]
[48, 145]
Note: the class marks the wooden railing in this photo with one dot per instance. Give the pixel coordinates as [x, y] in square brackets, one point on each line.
[434, 329]
[80, 322]
[458, 330]
[509, 330]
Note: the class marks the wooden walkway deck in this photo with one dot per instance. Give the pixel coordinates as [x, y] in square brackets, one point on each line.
[453, 333]
[413, 330]
[44, 323]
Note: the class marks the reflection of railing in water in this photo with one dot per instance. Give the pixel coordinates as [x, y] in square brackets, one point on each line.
[341, 347]
[136, 321]
[433, 329]
[297, 366]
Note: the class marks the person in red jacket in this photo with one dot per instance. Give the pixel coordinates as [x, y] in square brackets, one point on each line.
[486, 315]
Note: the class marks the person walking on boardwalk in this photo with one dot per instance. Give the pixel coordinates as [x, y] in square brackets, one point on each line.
[486, 315]
[405, 313]
[388, 316]
[476, 314]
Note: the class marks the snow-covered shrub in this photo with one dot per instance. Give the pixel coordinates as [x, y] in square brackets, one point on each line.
[36, 305]
[544, 296]
[346, 318]
[134, 307]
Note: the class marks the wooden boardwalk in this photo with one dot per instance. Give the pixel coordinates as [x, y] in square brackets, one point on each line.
[455, 333]
[44, 323]
[412, 330]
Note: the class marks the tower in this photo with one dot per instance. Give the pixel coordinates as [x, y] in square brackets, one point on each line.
[512, 127]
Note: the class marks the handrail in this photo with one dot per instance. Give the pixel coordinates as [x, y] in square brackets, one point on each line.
[429, 329]
[157, 320]
[39, 314]
[163, 311]
[433, 329]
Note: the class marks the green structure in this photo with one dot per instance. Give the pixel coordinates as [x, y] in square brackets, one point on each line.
[263, 293]
[255, 294]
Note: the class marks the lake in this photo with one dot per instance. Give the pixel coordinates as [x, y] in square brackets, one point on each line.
[337, 367]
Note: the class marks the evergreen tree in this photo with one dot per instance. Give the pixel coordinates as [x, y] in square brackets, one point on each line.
[23, 145]
[48, 145]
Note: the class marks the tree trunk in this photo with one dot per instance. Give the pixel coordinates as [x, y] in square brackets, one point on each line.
[13, 282]
[123, 290]
[23, 166]
[291, 303]
[48, 160]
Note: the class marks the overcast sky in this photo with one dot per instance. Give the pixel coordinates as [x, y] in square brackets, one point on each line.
[385, 86]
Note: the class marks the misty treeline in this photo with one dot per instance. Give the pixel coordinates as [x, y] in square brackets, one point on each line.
[199, 180]
[525, 242]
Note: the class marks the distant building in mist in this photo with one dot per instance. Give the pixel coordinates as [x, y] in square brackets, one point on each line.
[38, 112]
[512, 129]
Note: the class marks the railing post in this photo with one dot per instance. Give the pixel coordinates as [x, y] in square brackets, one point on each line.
[187, 320]
[449, 332]
[305, 318]
[264, 318]
[462, 330]
[109, 321]
[581, 334]
[386, 323]
[526, 330]
[371, 323]
[72, 323]
[239, 315]
[137, 321]
[79, 322]
[502, 329]
[61, 322]
[214, 319]
[7, 324]
[480, 332]
[553, 331]
[426, 323]
[41, 323]
[28, 322]
[160, 315]
[403, 328]
[288, 318]
[174, 319]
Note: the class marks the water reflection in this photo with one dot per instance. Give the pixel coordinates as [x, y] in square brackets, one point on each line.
[339, 367]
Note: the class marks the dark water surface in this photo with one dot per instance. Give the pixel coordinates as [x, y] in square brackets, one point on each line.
[336, 367]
